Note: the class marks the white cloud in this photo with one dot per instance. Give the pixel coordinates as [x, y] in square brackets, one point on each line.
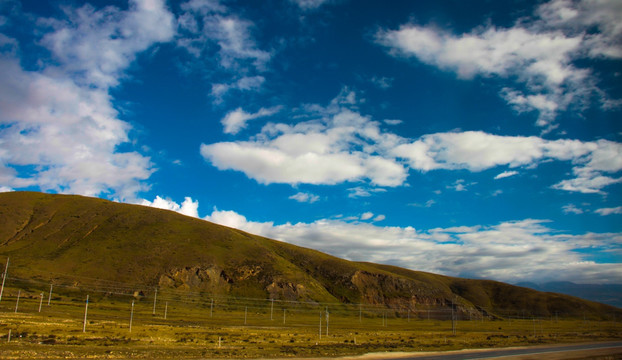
[360, 191]
[246, 83]
[305, 197]
[506, 174]
[571, 209]
[460, 185]
[367, 215]
[392, 121]
[379, 218]
[236, 120]
[576, 16]
[96, 46]
[382, 82]
[5, 189]
[537, 53]
[205, 23]
[336, 146]
[68, 132]
[309, 4]
[188, 207]
[510, 251]
[609, 211]
[477, 151]
[60, 120]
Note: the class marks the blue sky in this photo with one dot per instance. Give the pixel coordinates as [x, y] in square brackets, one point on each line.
[478, 139]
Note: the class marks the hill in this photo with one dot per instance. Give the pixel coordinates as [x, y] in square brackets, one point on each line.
[98, 242]
[610, 294]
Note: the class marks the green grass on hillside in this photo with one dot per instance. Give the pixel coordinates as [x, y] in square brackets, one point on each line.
[89, 242]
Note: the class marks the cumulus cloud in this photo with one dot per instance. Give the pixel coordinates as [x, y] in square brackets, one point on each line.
[188, 207]
[60, 120]
[511, 251]
[236, 120]
[538, 54]
[336, 146]
[96, 46]
[477, 151]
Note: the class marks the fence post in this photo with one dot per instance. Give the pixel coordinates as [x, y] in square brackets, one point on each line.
[155, 298]
[86, 309]
[19, 292]
[4, 277]
[320, 324]
[131, 315]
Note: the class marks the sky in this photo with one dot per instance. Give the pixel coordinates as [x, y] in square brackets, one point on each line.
[479, 139]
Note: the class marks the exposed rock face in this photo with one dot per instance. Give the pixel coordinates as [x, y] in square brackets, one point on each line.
[208, 278]
[247, 271]
[286, 291]
[376, 288]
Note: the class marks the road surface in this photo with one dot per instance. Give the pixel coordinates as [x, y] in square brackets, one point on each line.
[539, 352]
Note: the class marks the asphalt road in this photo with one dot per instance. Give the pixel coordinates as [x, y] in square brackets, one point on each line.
[487, 354]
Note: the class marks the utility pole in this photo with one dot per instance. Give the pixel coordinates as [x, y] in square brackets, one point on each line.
[165, 309]
[4, 277]
[40, 302]
[50, 295]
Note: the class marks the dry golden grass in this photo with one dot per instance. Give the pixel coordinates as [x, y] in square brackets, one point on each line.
[190, 332]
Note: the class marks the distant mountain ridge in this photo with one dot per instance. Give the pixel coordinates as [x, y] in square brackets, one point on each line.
[49, 236]
[610, 294]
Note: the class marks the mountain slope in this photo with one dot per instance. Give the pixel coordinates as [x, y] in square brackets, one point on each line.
[58, 236]
[605, 293]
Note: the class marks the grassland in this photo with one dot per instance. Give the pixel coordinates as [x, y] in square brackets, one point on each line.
[187, 325]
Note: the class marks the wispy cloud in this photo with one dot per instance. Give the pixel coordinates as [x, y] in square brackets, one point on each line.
[304, 197]
[609, 211]
[572, 209]
[506, 174]
[209, 30]
[236, 120]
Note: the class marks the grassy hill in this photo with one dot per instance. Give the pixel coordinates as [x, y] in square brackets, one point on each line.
[98, 242]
